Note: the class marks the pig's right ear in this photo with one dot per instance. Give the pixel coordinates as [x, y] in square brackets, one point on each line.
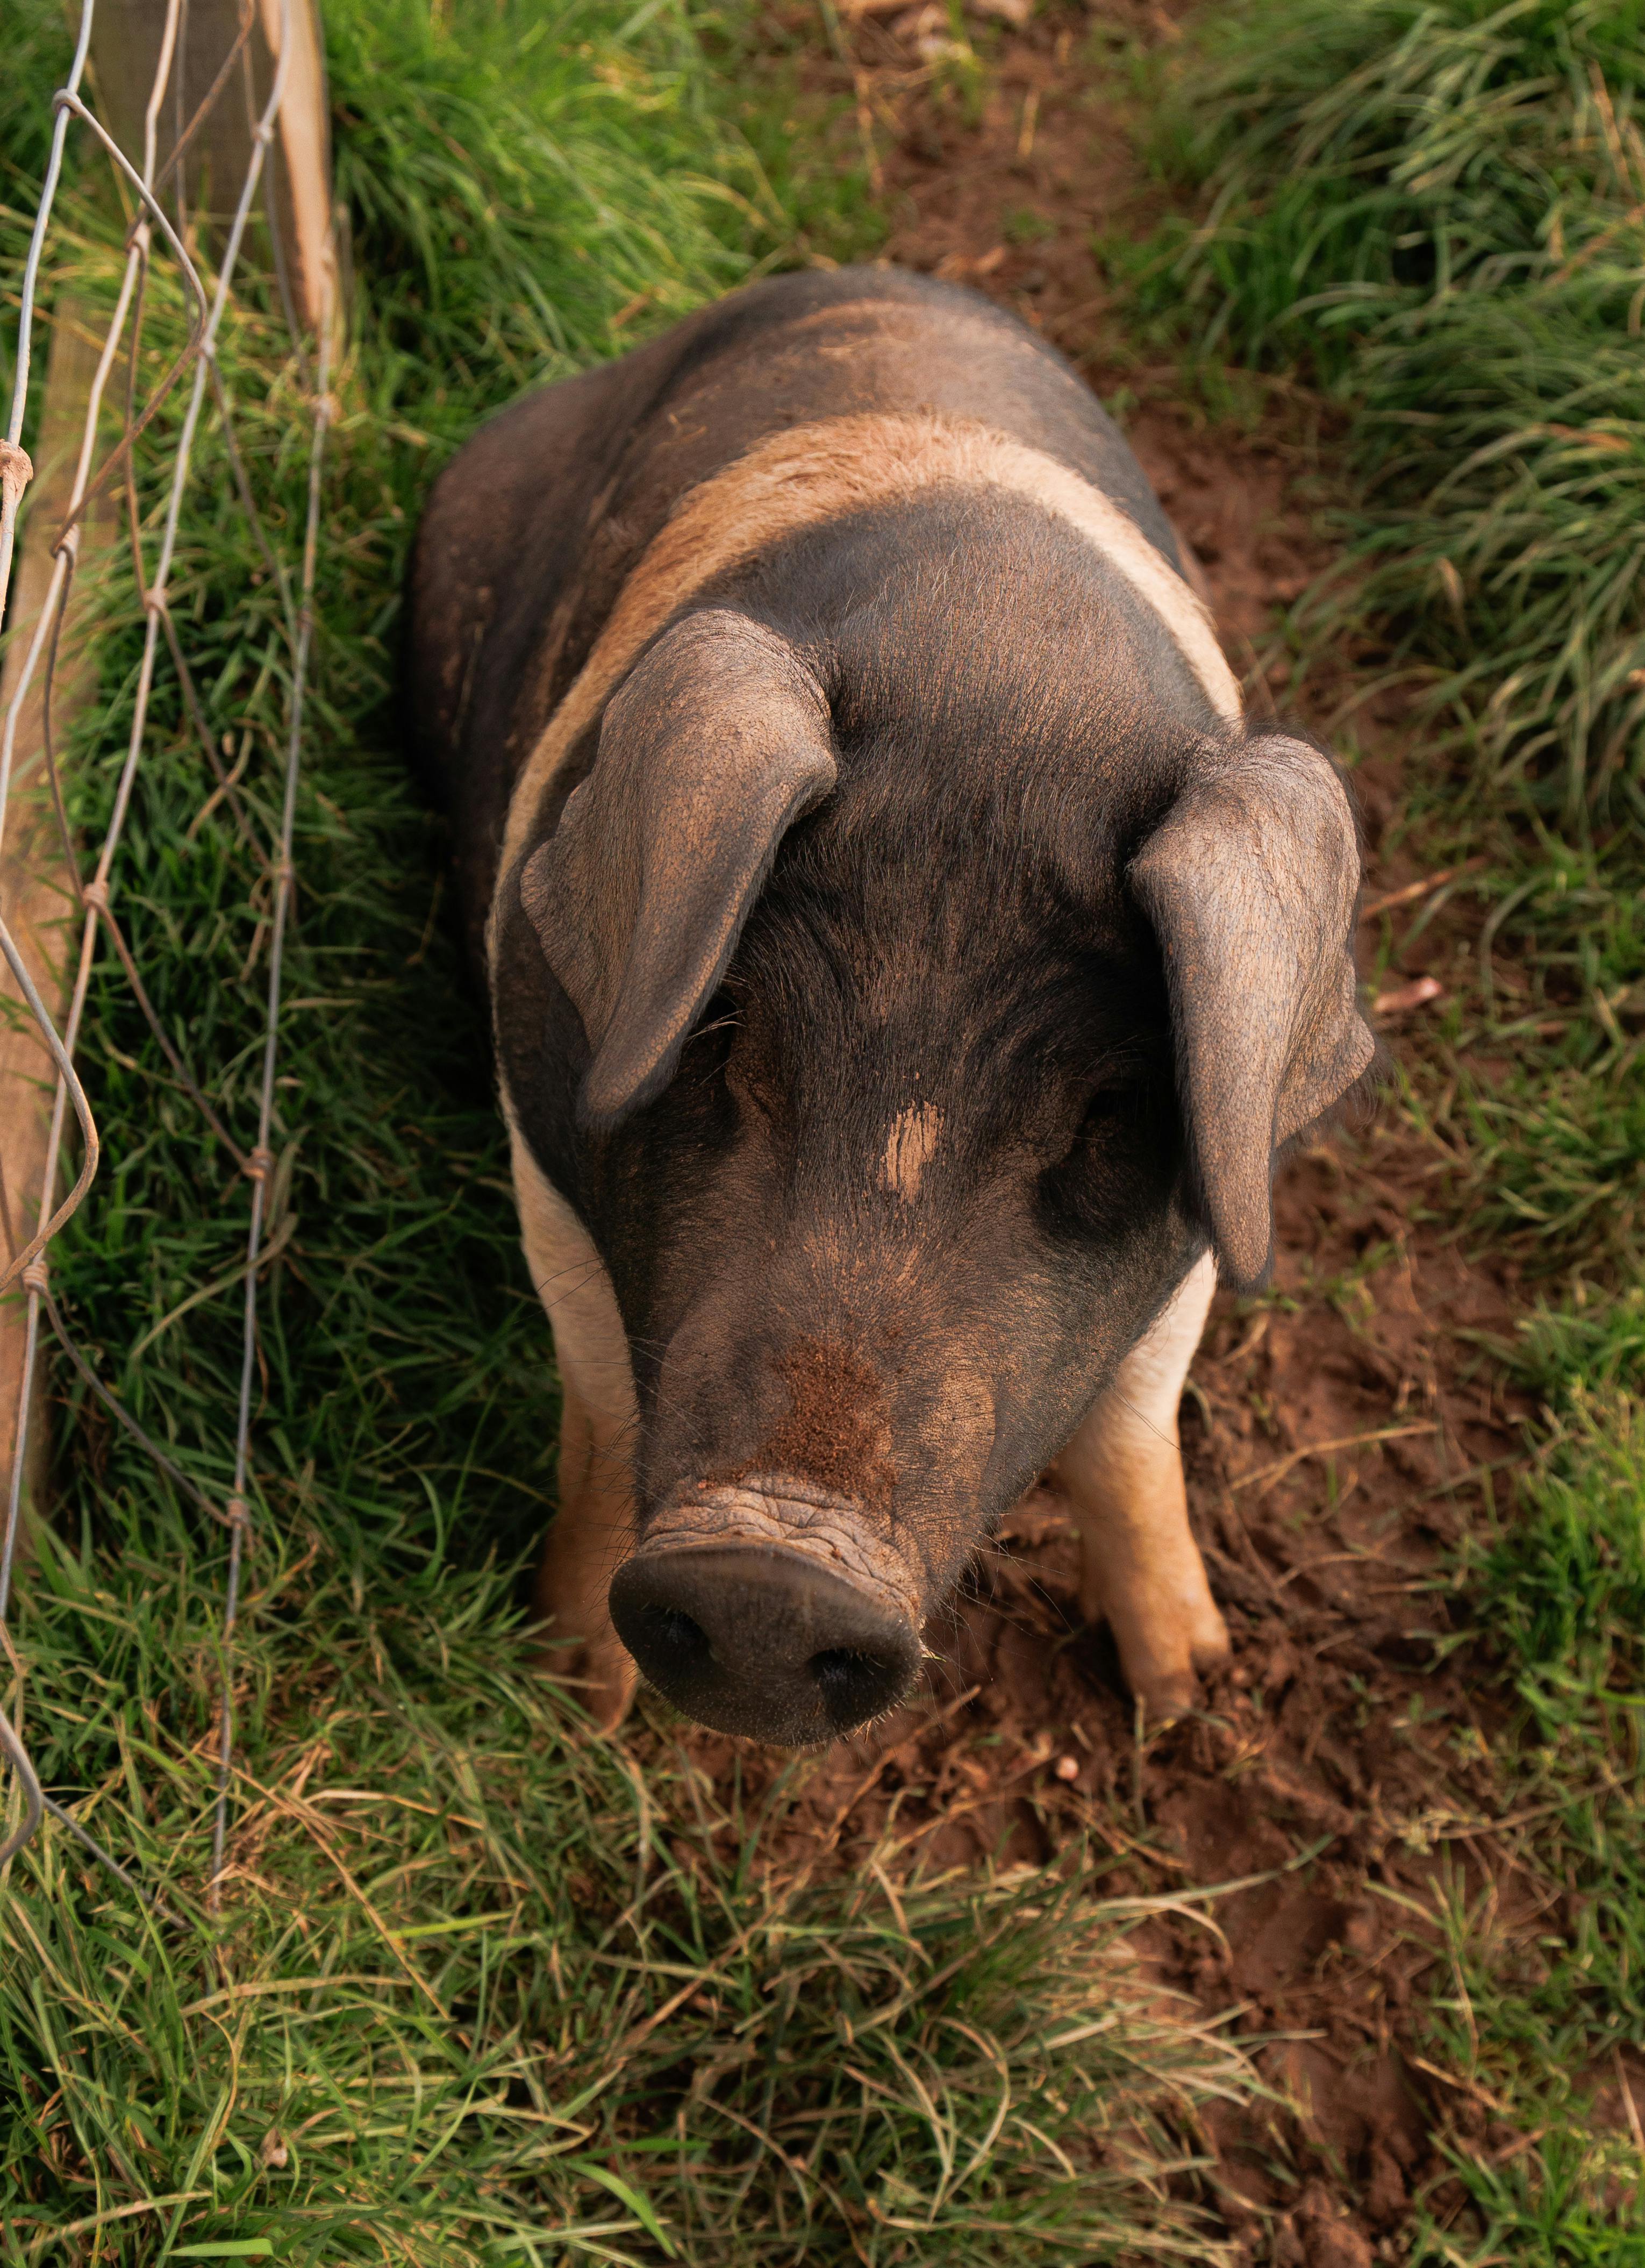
[715, 744]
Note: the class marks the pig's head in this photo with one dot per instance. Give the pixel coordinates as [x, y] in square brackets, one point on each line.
[922, 1058]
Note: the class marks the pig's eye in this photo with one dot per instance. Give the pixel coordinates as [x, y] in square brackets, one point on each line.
[1120, 1158]
[1115, 1105]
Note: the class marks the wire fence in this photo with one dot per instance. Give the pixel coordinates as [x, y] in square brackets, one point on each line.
[112, 452]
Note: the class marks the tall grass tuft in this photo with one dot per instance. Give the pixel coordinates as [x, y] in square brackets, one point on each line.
[1437, 207]
[527, 186]
[478, 1993]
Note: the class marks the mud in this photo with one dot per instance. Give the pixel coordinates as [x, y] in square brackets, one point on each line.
[835, 1429]
[1339, 1432]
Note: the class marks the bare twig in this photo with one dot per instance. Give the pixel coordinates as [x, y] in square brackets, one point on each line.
[1265, 1476]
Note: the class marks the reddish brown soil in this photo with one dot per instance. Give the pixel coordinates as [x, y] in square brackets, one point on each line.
[1335, 1433]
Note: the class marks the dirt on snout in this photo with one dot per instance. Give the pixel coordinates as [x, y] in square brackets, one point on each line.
[1338, 1433]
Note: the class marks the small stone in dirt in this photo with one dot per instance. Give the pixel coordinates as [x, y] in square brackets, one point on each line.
[1360, 1931]
[928, 29]
[1015, 13]
[1067, 1767]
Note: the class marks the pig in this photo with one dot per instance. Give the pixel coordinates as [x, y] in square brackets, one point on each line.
[907, 965]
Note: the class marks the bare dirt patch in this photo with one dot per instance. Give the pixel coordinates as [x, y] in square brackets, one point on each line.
[1337, 1434]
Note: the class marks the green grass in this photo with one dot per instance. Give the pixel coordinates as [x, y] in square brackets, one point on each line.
[1429, 212]
[478, 1993]
[1541, 1976]
[483, 1994]
[1566, 1583]
[1527, 1080]
[1434, 206]
[813, 150]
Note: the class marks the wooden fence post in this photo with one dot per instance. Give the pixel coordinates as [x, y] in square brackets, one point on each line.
[126, 39]
[36, 886]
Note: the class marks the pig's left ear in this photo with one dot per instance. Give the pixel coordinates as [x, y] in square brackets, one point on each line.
[1250, 883]
[715, 744]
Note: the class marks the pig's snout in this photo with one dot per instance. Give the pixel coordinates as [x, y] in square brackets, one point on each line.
[752, 1638]
[783, 1618]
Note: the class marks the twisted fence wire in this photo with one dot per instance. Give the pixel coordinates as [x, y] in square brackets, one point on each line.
[198, 361]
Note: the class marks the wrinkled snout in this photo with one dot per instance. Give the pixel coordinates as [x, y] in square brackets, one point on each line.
[782, 1620]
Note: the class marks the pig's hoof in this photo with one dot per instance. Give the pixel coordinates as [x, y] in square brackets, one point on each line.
[1165, 1676]
[1165, 1699]
[600, 1673]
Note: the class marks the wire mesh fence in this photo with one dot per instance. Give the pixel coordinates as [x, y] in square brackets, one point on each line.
[153, 399]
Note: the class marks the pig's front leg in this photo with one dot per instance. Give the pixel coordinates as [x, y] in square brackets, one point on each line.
[1122, 1476]
[593, 1528]
[591, 1536]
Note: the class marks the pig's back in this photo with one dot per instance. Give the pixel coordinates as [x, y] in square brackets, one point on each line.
[860, 341]
[537, 524]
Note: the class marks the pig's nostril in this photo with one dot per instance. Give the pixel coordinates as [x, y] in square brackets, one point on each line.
[837, 1667]
[678, 1638]
[852, 1684]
